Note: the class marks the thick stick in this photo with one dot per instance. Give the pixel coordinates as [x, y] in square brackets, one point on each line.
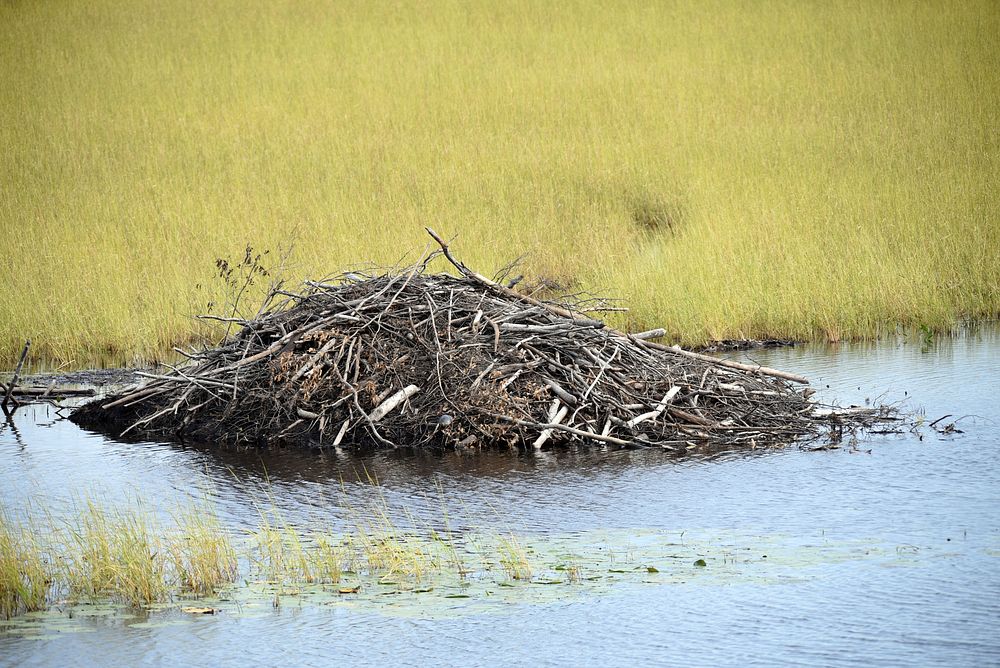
[558, 390]
[546, 433]
[53, 391]
[753, 368]
[17, 374]
[340, 434]
[651, 334]
[690, 418]
[655, 413]
[396, 399]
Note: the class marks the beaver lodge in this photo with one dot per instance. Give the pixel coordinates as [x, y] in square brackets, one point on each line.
[423, 360]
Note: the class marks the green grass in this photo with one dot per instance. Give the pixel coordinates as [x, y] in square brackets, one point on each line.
[201, 552]
[797, 169]
[94, 553]
[25, 572]
[116, 553]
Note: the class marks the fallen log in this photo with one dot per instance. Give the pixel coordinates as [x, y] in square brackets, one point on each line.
[53, 391]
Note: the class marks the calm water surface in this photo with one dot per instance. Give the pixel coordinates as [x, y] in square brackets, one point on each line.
[883, 554]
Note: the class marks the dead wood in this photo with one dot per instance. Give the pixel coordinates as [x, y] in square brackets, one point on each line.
[412, 358]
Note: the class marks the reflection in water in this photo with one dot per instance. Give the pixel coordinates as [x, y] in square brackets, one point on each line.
[928, 593]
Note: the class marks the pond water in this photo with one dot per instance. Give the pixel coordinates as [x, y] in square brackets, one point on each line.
[882, 552]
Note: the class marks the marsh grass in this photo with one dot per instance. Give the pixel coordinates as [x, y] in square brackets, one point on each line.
[277, 549]
[791, 169]
[326, 559]
[116, 553]
[25, 571]
[513, 557]
[127, 555]
[283, 553]
[391, 551]
[445, 537]
[201, 552]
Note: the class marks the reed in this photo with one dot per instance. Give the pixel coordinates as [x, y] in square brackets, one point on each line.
[326, 559]
[125, 555]
[781, 168]
[116, 553]
[25, 571]
[201, 552]
[388, 549]
[513, 557]
[277, 550]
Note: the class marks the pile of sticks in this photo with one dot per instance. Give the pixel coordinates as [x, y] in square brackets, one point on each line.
[415, 359]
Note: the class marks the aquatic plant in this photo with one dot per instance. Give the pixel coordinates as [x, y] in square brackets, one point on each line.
[513, 557]
[277, 551]
[25, 572]
[201, 552]
[115, 553]
[123, 554]
[389, 550]
[326, 559]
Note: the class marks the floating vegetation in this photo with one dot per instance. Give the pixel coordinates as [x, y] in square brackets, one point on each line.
[394, 570]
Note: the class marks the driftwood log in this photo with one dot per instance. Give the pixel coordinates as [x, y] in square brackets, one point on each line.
[410, 358]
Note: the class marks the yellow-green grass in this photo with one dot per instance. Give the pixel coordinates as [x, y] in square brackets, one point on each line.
[795, 169]
[123, 554]
[513, 557]
[96, 553]
[201, 551]
[286, 554]
[116, 553]
[25, 572]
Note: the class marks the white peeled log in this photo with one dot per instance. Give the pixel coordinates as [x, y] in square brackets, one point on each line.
[660, 407]
[657, 333]
[555, 417]
[389, 404]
